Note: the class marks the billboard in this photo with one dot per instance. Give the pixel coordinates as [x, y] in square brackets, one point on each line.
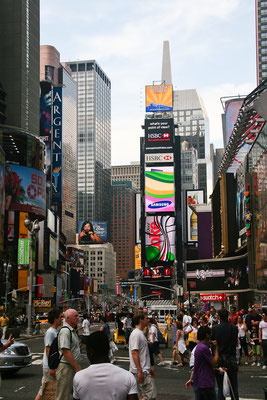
[160, 233]
[52, 252]
[159, 98]
[45, 124]
[193, 197]
[159, 158]
[138, 217]
[159, 189]
[25, 189]
[232, 108]
[24, 252]
[92, 232]
[159, 135]
[240, 217]
[57, 145]
[223, 274]
[137, 256]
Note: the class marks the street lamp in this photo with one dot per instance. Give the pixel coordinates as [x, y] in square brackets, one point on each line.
[33, 228]
[7, 267]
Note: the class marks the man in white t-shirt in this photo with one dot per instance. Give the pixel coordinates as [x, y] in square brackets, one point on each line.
[139, 358]
[186, 321]
[154, 342]
[263, 338]
[54, 318]
[102, 380]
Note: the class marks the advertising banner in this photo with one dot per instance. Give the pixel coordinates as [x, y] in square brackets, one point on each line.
[193, 197]
[42, 303]
[92, 232]
[138, 217]
[159, 135]
[57, 145]
[137, 257]
[223, 274]
[160, 233]
[52, 252]
[159, 158]
[23, 251]
[25, 189]
[157, 273]
[45, 124]
[232, 108]
[159, 189]
[22, 280]
[212, 297]
[159, 98]
[240, 218]
[23, 231]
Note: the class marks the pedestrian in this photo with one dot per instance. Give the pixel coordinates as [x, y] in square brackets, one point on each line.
[102, 380]
[256, 347]
[180, 344]
[192, 334]
[69, 350]
[139, 358]
[54, 319]
[186, 321]
[174, 352]
[249, 318]
[242, 337]
[127, 328]
[169, 321]
[106, 329]
[226, 336]
[233, 316]
[204, 362]
[263, 338]
[154, 342]
[85, 327]
[3, 323]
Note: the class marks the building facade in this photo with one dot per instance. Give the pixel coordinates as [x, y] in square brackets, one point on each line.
[261, 39]
[94, 140]
[124, 173]
[123, 224]
[20, 51]
[189, 167]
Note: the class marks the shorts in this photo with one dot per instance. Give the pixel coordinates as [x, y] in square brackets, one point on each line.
[46, 377]
[155, 348]
[256, 349]
[147, 389]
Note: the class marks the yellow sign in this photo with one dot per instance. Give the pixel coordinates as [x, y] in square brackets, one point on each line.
[41, 303]
[137, 257]
[159, 98]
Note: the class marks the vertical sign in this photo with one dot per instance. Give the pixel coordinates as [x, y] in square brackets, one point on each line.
[24, 252]
[57, 146]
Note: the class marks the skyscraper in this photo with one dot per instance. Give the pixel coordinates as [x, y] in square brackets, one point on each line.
[261, 39]
[94, 140]
[130, 173]
[19, 66]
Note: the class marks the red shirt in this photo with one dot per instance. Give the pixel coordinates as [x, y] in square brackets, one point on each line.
[233, 319]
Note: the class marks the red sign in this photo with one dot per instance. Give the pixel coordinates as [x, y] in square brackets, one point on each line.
[236, 297]
[212, 297]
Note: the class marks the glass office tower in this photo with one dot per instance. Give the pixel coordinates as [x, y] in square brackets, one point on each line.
[261, 39]
[94, 141]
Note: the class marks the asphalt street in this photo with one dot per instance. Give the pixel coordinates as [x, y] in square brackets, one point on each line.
[170, 381]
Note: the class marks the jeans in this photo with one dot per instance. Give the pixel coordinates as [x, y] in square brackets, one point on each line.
[234, 383]
[264, 349]
[206, 394]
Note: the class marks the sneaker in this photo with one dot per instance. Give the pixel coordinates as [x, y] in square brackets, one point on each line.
[162, 363]
[259, 364]
[264, 367]
[253, 364]
[246, 363]
[113, 361]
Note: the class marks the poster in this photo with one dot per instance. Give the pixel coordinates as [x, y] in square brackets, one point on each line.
[159, 189]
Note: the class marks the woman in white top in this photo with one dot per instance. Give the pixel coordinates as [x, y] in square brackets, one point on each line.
[180, 344]
[242, 328]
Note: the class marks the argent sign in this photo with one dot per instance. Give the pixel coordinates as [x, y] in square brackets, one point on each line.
[159, 158]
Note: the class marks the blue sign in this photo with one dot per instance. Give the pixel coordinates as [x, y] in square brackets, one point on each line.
[160, 204]
[57, 145]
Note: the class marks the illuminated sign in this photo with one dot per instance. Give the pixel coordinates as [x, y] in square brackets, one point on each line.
[92, 232]
[57, 156]
[159, 135]
[159, 158]
[159, 189]
[157, 272]
[160, 233]
[159, 98]
[212, 297]
[193, 197]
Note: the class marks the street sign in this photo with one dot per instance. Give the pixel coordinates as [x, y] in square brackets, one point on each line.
[212, 297]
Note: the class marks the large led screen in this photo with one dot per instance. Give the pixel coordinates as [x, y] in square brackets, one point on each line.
[159, 189]
[159, 135]
[159, 98]
[232, 108]
[92, 232]
[160, 232]
[193, 197]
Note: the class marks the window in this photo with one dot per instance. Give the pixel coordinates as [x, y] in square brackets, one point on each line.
[81, 67]
[49, 73]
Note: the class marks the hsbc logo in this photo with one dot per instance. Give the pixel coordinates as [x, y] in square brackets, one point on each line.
[159, 136]
[159, 158]
[166, 135]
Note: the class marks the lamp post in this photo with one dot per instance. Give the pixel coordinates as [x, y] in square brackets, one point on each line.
[7, 267]
[33, 228]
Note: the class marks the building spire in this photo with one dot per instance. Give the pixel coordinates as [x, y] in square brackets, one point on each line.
[166, 73]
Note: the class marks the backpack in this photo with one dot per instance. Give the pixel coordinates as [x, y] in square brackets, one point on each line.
[161, 339]
[54, 356]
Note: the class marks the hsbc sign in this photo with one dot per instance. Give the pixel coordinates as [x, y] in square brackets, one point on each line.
[159, 158]
[212, 297]
[159, 135]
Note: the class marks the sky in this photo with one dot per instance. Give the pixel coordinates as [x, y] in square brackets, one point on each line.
[212, 47]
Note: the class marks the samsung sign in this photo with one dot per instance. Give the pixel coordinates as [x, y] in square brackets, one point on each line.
[159, 158]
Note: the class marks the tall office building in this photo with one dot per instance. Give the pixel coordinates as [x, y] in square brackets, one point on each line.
[189, 167]
[19, 62]
[124, 173]
[123, 223]
[261, 39]
[94, 141]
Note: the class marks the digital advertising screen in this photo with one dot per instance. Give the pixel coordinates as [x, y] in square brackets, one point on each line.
[160, 233]
[159, 189]
[92, 232]
[159, 135]
[232, 108]
[193, 197]
[25, 190]
[45, 124]
[159, 98]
